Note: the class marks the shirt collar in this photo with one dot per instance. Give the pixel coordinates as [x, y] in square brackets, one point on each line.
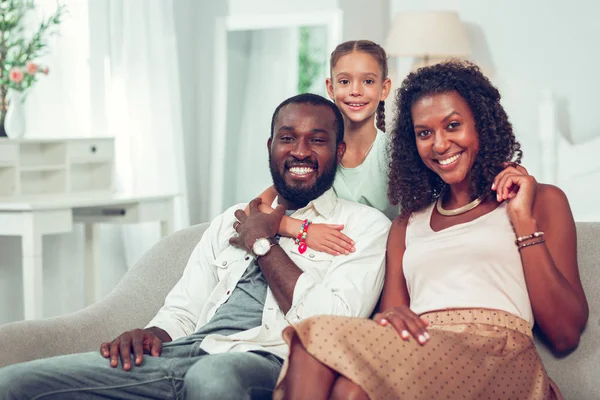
[324, 204]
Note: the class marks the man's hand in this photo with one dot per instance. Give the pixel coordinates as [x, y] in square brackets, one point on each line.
[256, 225]
[140, 340]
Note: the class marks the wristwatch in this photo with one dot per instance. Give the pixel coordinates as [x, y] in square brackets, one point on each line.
[262, 246]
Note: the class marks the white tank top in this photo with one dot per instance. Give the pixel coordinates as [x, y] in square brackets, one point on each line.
[470, 265]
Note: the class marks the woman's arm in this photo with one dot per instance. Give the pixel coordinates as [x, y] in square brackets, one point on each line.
[395, 293]
[395, 300]
[551, 272]
[321, 237]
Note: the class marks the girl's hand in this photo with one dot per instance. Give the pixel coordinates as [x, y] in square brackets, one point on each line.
[328, 238]
[406, 322]
[518, 187]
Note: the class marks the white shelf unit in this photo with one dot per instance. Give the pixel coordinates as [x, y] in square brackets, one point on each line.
[38, 167]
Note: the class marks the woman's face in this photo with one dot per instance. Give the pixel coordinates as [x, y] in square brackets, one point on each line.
[445, 134]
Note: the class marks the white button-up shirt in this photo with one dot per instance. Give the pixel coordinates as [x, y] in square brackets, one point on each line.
[346, 285]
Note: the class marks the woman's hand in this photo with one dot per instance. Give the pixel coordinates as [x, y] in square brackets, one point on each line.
[328, 238]
[406, 322]
[518, 187]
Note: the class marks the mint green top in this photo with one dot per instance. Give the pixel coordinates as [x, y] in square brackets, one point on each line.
[368, 182]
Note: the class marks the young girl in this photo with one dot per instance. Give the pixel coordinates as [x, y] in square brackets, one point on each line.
[358, 85]
[480, 253]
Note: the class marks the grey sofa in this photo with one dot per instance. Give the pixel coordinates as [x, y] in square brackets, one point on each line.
[142, 291]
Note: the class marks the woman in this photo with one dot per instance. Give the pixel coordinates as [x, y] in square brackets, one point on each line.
[480, 252]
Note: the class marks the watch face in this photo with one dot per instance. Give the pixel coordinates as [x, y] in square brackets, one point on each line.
[261, 246]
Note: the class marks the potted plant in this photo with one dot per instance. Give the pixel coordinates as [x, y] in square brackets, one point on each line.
[18, 67]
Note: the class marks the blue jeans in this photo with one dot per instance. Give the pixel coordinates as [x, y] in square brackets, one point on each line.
[183, 371]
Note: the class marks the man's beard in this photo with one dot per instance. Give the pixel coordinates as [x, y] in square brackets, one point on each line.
[302, 195]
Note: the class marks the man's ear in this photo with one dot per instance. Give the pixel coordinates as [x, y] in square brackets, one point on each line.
[387, 85]
[341, 149]
[269, 141]
[329, 86]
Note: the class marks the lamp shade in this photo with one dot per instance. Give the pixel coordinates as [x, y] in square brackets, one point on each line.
[428, 34]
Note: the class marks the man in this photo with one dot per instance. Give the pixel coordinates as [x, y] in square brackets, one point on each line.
[218, 335]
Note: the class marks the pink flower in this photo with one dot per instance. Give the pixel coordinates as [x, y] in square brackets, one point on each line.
[45, 70]
[31, 68]
[16, 75]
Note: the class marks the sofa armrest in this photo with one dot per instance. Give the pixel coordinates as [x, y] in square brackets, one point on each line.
[132, 304]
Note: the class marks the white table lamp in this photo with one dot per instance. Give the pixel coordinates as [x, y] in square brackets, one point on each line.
[428, 36]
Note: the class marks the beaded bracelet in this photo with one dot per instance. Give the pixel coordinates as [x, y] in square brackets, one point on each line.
[527, 237]
[301, 238]
[523, 245]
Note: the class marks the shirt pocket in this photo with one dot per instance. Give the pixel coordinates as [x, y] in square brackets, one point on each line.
[225, 262]
[312, 261]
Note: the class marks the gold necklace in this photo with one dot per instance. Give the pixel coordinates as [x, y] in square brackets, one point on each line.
[459, 210]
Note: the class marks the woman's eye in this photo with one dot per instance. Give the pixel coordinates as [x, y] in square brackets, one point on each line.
[453, 125]
[423, 134]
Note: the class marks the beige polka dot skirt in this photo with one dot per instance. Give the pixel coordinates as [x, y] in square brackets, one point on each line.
[472, 354]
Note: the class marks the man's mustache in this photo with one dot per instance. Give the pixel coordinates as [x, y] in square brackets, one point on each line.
[294, 162]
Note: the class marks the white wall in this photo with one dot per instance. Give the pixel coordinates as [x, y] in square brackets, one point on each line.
[529, 46]
[246, 7]
[362, 21]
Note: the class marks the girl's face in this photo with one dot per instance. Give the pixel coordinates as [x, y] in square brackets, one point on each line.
[357, 86]
[445, 133]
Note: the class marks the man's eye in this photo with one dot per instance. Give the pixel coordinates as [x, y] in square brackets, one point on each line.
[286, 138]
[316, 140]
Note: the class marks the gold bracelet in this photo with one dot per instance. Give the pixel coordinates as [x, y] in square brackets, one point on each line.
[530, 244]
[527, 237]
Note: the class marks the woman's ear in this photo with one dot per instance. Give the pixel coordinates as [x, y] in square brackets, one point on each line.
[329, 86]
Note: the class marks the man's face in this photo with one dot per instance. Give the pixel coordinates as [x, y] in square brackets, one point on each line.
[303, 154]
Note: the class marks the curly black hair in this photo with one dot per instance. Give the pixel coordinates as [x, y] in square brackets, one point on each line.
[411, 183]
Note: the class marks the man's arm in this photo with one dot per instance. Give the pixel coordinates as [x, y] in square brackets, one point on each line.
[352, 284]
[281, 274]
[183, 305]
[180, 313]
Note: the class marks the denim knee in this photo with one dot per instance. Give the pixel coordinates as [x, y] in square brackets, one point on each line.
[211, 379]
[16, 382]
[230, 376]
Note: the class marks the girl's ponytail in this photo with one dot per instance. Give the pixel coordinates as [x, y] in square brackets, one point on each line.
[380, 120]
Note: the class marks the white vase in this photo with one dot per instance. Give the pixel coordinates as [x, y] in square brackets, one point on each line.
[14, 123]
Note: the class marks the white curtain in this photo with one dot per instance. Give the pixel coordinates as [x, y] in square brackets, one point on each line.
[126, 85]
[143, 107]
[262, 72]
